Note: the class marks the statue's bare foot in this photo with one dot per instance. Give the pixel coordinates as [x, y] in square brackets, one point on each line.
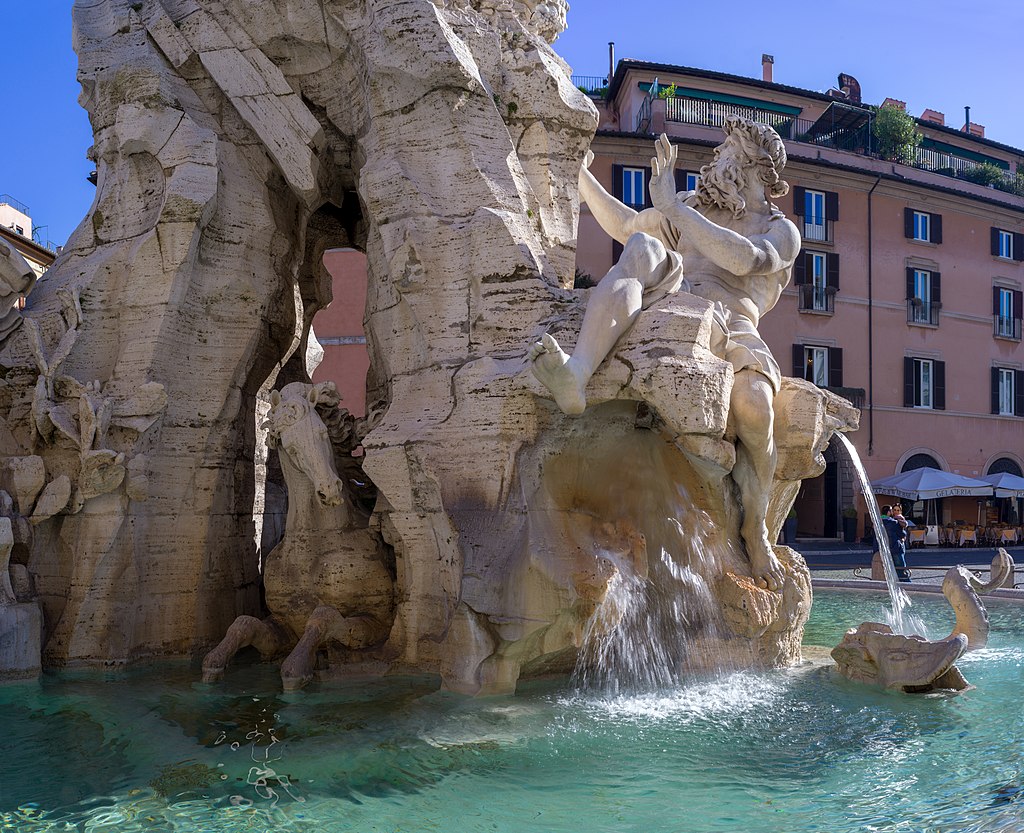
[552, 366]
[764, 566]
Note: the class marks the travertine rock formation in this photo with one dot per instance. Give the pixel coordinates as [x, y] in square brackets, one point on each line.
[234, 143]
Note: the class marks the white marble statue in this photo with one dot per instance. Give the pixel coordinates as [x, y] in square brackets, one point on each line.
[724, 242]
[16, 281]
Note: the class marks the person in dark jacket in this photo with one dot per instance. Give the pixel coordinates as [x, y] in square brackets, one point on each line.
[896, 532]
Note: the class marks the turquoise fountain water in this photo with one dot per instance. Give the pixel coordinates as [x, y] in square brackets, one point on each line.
[793, 751]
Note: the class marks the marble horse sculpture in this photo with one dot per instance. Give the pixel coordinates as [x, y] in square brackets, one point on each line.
[872, 653]
[327, 581]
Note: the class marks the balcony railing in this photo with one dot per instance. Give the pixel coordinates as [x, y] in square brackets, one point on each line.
[1003, 327]
[818, 232]
[858, 139]
[7, 199]
[595, 85]
[817, 298]
[919, 312]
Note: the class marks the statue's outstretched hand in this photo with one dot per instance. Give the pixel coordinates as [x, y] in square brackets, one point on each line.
[663, 174]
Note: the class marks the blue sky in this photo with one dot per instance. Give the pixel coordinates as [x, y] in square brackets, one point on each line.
[941, 54]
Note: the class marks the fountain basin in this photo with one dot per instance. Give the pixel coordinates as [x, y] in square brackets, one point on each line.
[795, 750]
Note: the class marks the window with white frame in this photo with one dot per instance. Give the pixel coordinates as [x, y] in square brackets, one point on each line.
[814, 215]
[921, 310]
[1004, 313]
[816, 364]
[691, 181]
[819, 281]
[633, 193]
[922, 226]
[1006, 244]
[1006, 391]
[924, 381]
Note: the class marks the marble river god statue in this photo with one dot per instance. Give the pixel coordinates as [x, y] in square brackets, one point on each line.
[724, 242]
[143, 450]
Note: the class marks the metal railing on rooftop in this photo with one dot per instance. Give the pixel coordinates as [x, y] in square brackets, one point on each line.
[858, 139]
[7, 199]
[591, 84]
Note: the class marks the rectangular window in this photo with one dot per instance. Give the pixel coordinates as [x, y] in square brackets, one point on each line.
[1006, 391]
[691, 181]
[1005, 244]
[819, 282]
[923, 379]
[816, 365]
[1006, 321]
[821, 365]
[924, 383]
[633, 187]
[924, 296]
[922, 226]
[1008, 245]
[921, 303]
[814, 216]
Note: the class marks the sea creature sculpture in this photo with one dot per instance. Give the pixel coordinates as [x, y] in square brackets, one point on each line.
[872, 653]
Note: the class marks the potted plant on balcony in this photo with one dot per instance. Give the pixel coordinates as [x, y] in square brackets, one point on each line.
[849, 525]
[897, 135]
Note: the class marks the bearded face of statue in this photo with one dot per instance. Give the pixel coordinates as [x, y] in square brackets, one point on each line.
[721, 183]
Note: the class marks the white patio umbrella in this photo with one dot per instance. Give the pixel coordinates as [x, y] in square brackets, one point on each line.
[927, 483]
[1006, 484]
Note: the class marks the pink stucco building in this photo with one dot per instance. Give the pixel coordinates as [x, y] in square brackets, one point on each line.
[907, 295]
[339, 329]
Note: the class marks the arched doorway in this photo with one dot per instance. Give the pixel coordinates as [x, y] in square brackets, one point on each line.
[1006, 510]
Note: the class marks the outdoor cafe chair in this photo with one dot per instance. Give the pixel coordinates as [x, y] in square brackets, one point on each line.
[917, 537]
[968, 536]
[1008, 536]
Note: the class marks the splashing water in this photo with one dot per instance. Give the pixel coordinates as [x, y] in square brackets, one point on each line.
[900, 618]
[651, 630]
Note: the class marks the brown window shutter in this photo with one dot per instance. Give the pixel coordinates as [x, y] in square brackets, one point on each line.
[617, 182]
[936, 225]
[995, 300]
[647, 188]
[799, 369]
[995, 390]
[799, 200]
[800, 268]
[908, 382]
[910, 283]
[1018, 246]
[937, 288]
[831, 205]
[995, 241]
[908, 223]
[832, 270]
[1018, 393]
[1018, 304]
[835, 367]
[939, 385]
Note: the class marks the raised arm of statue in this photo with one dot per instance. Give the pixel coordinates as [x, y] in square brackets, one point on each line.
[738, 254]
[616, 218]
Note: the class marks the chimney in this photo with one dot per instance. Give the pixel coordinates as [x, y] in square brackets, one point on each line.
[766, 67]
[934, 116]
[895, 102]
[611, 61]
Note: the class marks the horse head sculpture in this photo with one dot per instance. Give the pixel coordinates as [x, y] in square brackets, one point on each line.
[295, 428]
